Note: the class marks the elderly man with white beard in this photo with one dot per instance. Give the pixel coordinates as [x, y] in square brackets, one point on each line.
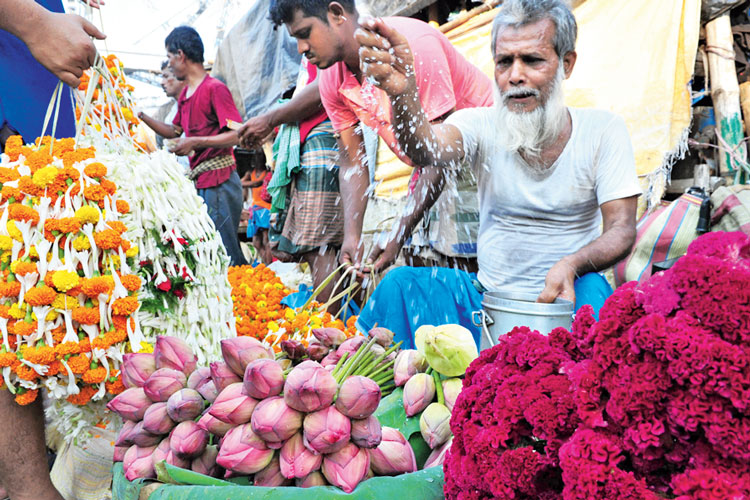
[557, 186]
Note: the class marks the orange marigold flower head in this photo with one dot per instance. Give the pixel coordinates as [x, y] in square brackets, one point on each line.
[84, 345]
[7, 359]
[121, 322]
[40, 296]
[94, 193]
[132, 282]
[86, 315]
[61, 350]
[24, 268]
[25, 372]
[83, 397]
[125, 305]
[125, 245]
[108, 239]
[77, 155]
[14, 142]
[118, 226]
[54, 368]
[4, 311]
[11, 192]
[122, 206]
[92, 287]
[62, 146]
[27, 397]
[8, 174]
[108, 186]
[11, 289]
[42, 355]
[95, 169]
[38, 159]
[79, 364]
[94, 376]
[23, 328]
[115, 387]
[68, 225]
[58, 334]
[27, 185]
[16, 211]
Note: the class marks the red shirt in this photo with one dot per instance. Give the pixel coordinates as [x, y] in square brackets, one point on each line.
[305, 126]
[205, 114]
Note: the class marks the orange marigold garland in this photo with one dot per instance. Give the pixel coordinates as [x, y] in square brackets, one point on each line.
[64, 319]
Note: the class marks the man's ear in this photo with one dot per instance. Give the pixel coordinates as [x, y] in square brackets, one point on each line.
[569, 60]
[336, 13]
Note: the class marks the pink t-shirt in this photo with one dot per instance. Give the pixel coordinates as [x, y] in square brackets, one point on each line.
[445, 79]
[305, 126]
[205, 114]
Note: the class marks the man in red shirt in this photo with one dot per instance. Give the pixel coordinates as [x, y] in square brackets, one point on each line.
[204, 106]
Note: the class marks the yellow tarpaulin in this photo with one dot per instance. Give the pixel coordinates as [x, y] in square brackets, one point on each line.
[635, 58]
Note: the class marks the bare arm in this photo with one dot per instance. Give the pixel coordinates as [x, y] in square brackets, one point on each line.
[386, 57]
[354, 179]
[303, 105]
[616, 241]
[166, 130]
[60, 42]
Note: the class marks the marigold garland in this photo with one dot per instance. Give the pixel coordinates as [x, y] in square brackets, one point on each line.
[50, 310]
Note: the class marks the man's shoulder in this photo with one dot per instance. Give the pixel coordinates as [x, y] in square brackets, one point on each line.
[413, 29]
[598, 119]
[213, 83]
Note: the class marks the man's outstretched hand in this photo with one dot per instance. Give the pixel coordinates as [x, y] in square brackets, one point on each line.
[385, 57]
[559, 283]
[62, 44]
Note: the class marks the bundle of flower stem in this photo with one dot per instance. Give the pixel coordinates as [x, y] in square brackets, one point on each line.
[366, 362]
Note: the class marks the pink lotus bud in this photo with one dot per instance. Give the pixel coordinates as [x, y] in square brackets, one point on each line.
[187, 440]
[312, 479]
[161, 451]
[119, 453]
[451, 389]
[213, 425]
[326, 431]
[377, 349]
[156, 420]
[351, 345]
[163, 383]
[366, 433]
[244, 452]
[239, 351]
[296, 460]
[358, 397]
[143, 438]
[137, 463]
[201, 381]
[271, 476]
[437, 457]
[174, 353]
[233, 407]
[124, 437]
[393, 456]
[408, 363]
[136, 368]
[173, 459]
[263, 378]
[185, 404]
[383, 336]
[316, 351]
[309, 387]
[330, 359]
[130, 404]
[347, 467]
[293, 348]
[419, 392]
[329, 337]
[435, 424]
[274, 421]
[222, 376]
[206, 463]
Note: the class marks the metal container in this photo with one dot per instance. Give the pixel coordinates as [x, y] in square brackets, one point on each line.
[504, 311]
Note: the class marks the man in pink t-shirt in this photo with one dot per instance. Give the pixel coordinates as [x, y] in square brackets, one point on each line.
[446, 80]
[203, 109]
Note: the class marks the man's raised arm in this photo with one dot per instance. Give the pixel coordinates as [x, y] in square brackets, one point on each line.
[385, 58]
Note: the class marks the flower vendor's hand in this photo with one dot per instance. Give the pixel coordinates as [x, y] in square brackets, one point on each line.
[385, 57]
[93, 3]
[184, 146]
[382, 257]
[254, 131]
[351, 253]
[62, 44]
[559, 283]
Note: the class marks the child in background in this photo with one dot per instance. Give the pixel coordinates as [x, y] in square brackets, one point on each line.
[259, 212]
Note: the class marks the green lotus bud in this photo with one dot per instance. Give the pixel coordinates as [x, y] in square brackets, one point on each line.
[449, 349]
[434, 424]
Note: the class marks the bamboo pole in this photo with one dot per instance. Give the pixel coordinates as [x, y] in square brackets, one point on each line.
[466, 16]
[725, 92]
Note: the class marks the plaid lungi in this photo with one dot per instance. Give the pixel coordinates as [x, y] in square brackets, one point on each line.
[313, 216]
[215, 163]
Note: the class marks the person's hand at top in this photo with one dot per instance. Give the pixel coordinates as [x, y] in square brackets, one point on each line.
[93, 3]
[385, 57]
[254, 131]
[62, 44]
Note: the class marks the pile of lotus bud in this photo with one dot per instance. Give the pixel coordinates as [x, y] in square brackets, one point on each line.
[431, 379]
[307, 425]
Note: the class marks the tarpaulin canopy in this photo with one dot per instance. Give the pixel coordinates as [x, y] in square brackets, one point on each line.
[257, 62]
[635, 58]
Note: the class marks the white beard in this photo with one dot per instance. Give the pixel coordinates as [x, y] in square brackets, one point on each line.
[527, 133]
